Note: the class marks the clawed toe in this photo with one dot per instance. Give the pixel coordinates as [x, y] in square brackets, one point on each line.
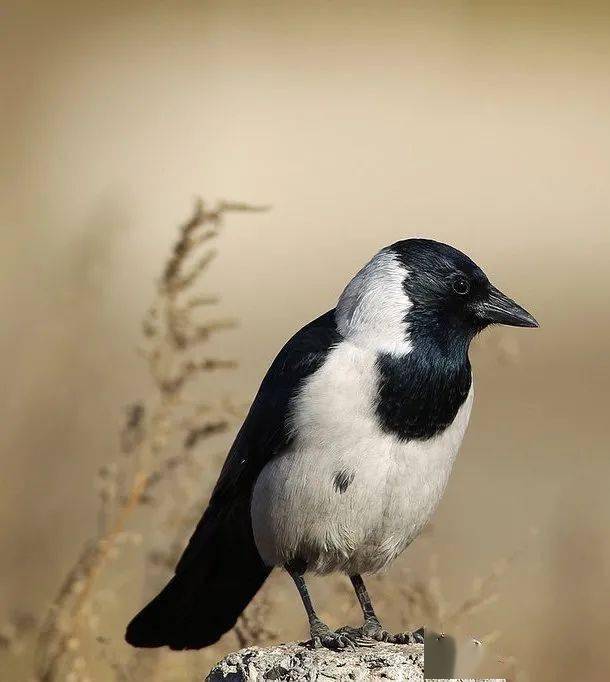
[335, 641]
[356, 636]
[372, 630]
[323, 637]
[416, 637]
[349, 637]
[367, 635]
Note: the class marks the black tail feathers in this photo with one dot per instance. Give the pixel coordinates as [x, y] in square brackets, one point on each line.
[216, 579]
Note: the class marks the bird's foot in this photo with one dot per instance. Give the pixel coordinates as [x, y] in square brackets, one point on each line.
[372, 630]
[415, 637]
[323, 636]
[357, 636]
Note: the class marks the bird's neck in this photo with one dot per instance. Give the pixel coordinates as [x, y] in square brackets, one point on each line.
[421, 392]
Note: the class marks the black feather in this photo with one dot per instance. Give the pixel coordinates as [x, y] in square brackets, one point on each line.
[420, 394]
[343, 480]
[220, 570]
[204, 599]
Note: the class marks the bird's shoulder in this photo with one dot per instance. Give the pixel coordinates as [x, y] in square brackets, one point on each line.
[266, 431]
[301, 355]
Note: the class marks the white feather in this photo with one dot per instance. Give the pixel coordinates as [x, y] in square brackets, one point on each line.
[296, 508]
[371, 310]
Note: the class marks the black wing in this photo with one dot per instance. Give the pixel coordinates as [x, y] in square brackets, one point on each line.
[221, 569]
[266, 432]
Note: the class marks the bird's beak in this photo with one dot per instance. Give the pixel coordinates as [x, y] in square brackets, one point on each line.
[499, 309]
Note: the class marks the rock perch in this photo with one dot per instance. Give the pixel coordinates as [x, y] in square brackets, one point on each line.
[294, 662]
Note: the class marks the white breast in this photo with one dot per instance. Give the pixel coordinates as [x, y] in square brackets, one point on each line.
[297, 509]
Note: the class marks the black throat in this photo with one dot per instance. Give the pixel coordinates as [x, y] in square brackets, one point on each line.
[420, 393]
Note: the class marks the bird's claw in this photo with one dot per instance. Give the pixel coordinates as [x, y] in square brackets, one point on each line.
[351, 638]
[323, 636]
[332, 640]
[357, 636]
[372, 632]
[416, 637]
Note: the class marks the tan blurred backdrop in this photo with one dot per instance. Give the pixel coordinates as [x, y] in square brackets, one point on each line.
[483, 124]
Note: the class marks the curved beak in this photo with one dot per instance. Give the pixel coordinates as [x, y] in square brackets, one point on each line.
[500, 309]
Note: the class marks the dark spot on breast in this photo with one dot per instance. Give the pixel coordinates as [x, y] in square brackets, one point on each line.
[343, 480]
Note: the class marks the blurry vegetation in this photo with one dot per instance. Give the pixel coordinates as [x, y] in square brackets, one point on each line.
[158, 440]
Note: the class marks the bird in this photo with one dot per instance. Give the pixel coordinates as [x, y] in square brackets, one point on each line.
[345, 452]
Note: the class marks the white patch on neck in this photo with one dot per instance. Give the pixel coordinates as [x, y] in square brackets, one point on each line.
[371, 310]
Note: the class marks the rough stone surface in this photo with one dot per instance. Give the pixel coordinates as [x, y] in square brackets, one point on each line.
[295, 662]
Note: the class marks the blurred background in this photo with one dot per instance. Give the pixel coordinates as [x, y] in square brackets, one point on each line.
[482, 124]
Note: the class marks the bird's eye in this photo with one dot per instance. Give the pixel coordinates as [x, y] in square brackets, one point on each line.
[460, 285]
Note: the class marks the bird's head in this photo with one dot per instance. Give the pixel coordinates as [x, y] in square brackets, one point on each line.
[420, 291]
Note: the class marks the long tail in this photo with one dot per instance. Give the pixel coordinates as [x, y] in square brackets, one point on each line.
[216, 578]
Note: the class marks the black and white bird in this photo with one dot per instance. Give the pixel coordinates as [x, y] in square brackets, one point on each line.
[346, 450]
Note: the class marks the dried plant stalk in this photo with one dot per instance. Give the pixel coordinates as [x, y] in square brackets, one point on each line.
[174, 337]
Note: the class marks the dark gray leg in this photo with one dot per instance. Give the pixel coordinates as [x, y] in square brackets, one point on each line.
[321, 634]
[372, 627]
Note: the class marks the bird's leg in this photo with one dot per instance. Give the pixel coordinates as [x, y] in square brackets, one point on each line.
[372, 627]
[321, 634]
